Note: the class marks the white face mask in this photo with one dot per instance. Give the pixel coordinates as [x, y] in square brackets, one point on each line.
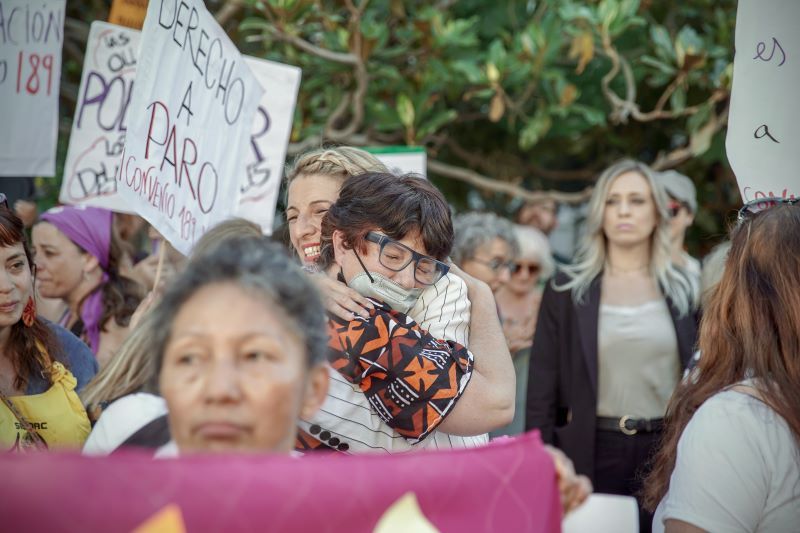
[389, 292]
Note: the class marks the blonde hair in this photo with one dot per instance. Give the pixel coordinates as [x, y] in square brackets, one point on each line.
[129, 371]
[533, 244]
[592, 253]
[337, 162]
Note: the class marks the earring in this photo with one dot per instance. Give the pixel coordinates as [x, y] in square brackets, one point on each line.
[29, 313]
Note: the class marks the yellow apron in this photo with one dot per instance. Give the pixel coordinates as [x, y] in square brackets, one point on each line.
[57, 415]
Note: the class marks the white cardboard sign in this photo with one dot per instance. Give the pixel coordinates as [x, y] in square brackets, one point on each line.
[268, 142]
[31, 36]
[403, 159]
[763, 142]
[100, 122]
[193, 105]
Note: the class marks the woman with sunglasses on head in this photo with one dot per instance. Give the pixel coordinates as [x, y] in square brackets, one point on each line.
[78, 259]
[518, 301]
[41, 364]
[387, 237]
[615, 330]
[730, 458]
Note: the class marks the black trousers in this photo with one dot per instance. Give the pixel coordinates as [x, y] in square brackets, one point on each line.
[620, 466]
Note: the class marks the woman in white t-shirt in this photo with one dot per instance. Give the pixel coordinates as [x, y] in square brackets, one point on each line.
[730, 459]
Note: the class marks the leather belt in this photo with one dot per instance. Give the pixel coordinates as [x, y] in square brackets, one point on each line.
[630, 426]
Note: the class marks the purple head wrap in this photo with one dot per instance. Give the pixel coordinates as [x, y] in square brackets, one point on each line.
[89, 228]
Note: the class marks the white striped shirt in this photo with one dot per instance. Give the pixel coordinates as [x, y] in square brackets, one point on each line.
[346, 417]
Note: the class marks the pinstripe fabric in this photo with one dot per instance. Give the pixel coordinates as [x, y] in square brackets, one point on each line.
[346, 421]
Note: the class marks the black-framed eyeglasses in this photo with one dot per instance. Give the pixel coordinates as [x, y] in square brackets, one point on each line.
[497, 264]
[4, 200]
[755, 207]
[397, 256]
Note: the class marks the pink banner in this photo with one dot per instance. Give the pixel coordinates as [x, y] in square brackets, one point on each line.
[507, 486]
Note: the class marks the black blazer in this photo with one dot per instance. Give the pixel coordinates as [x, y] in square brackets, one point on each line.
[562, 377]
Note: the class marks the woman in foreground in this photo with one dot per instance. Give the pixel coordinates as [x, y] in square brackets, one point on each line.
[730, 460]
[240, 351]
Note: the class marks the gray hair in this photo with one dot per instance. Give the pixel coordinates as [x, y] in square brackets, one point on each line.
[261, 267]
[534, 246]
[473, 230]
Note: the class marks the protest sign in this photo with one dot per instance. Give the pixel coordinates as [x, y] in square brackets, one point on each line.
[98, 131]
[193, 105]
[763, 142]
[262, 175]
[506, 486]
[31, 36]
[98, 128]
[402, 159]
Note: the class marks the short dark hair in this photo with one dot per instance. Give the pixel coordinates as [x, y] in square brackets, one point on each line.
[262, 268]
[397, 205]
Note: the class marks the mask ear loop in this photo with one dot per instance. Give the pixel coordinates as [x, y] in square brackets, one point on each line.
[360, 262]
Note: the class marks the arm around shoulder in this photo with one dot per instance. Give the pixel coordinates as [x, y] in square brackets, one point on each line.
[488, 401]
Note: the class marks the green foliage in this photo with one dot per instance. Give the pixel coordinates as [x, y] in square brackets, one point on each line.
[511, 89]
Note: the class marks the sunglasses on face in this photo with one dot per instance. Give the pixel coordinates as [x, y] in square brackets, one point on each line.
[532, 268]
[397, 256]
[755, 207]
[496, 265]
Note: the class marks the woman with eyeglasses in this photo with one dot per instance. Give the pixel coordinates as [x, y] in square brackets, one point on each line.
[312, 186]
[484, 247]
[730, 458]
[387, 237]
[614, 332]
[518, 301]
[42, 366]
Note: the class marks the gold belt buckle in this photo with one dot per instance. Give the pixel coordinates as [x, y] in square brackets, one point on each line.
[623, 428]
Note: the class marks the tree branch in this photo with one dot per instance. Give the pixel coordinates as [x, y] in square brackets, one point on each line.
[624, 108]
[302, 44]
[680, 155]
[478, 160]
[360, 74]
[228, 10]
[485, 183]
